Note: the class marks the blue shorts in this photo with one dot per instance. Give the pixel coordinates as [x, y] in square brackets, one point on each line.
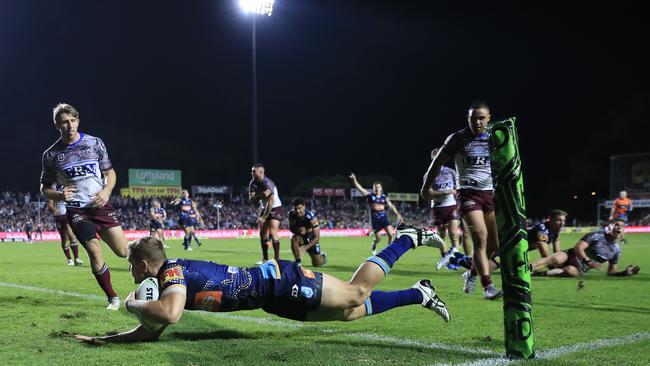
[186, 221]
[154, 225]
[379, 223]
[292, 291]
[315, 250]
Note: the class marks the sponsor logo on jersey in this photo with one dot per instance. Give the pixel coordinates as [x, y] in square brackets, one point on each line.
[171, 274]
[232, 269]
[307, 273]
[294, 291]
[81, 170]
[208, 300]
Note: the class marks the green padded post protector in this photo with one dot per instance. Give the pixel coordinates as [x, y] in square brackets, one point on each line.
[510, 207]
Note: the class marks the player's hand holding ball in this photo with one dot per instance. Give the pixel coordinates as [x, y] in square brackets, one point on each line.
[147, 291]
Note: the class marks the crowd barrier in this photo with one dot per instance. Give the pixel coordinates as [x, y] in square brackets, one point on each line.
[178, 234]
[253, 233]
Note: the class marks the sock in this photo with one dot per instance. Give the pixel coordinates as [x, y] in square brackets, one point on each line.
[75, 249]
[380, 301]
[196, 238]
[387, 257]
[276, 249]
[472, 271]
[265, 249]
[486, 280]
[104, 280]
[66, 251]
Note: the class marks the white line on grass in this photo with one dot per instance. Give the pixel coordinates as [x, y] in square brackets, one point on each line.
[294, 325]
[561, 351]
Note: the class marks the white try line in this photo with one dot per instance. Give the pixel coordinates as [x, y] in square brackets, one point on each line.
[294, 325]
[560, 351]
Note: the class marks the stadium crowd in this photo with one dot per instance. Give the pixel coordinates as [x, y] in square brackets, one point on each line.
[237, 213]
[17, 208]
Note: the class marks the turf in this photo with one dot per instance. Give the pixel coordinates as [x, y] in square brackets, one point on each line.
[37, 325]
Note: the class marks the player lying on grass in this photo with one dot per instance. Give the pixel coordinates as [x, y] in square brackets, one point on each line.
[278, 287]
[591, 251]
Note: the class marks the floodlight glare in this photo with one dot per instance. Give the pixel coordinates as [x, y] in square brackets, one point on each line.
[261, 7]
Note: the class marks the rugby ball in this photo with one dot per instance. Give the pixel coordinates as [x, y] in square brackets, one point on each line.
[148, 291]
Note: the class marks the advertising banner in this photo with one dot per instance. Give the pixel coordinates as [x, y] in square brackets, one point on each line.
[154, 177]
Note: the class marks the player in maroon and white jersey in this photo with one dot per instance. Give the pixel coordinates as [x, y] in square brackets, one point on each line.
[470, 151]
[79, 163]
[262, 191]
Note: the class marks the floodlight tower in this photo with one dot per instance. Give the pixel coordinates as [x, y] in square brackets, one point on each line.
[255, 8]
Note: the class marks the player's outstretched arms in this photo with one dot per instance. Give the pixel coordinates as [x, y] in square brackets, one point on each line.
[137, 334]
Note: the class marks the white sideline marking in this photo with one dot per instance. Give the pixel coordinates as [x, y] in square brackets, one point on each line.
[294, 325]
[560, 351]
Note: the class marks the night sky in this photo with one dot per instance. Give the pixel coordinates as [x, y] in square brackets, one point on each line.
[363, 86]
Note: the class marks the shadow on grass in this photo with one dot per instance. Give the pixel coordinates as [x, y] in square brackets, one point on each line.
[597, 307]
[217, 334]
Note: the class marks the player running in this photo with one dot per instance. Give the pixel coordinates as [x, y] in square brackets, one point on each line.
[622, 205]
[278, 287]
[188, 216]
[470, 150]
[79, 163]
[68, 240]
[444, 208]
[158, 215]
[306, 233]
[262, 191]
[591, 251]
[378, 215]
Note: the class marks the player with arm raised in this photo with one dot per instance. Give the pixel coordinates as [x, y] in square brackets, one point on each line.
[68, 240]
[303, 224]
[262, 191]
[79, 163]
[379, 217]
[470, 150]
[278, 287]
[591, 251]
[186, 217]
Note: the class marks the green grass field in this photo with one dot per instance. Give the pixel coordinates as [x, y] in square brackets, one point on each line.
[44, 302]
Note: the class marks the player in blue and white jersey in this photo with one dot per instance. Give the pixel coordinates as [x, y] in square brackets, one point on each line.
[469, 148]
[303, 224]
[263, 192]
[188, 216]
[157, 216]
[80, 164]
[591, 251]
[378, 214]
[278, 287]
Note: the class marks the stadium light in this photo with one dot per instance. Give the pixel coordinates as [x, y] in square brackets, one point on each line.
[260, 7]
[255, 7]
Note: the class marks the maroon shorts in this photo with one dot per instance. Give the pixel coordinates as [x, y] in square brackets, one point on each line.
[444, 215]
[573, 260]
[61, 221]
[276, 213]
[474, 200]
[102, 217]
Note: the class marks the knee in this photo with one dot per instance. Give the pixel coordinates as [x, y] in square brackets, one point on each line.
[358, 295]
